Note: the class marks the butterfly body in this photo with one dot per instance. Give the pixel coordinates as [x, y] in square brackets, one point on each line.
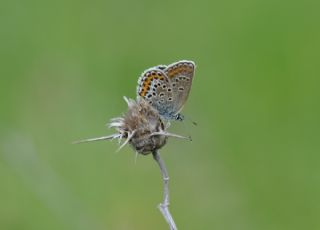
[167, 88]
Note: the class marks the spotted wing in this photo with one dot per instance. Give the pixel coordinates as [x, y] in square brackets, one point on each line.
[155, 87]
[180, 76]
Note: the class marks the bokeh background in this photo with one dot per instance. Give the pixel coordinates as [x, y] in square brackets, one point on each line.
[254, 160]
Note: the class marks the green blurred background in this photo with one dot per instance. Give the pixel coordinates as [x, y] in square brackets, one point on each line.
[254, 159]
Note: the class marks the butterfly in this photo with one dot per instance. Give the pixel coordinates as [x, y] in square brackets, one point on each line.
[167, 88]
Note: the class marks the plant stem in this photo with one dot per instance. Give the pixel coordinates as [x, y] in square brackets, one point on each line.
[164, 206]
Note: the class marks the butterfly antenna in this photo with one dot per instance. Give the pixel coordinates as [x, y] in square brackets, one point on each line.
[192, 121]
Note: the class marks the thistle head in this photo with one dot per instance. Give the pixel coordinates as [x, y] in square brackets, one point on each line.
[141, 126]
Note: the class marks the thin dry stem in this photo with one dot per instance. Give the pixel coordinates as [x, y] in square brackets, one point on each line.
[164, 206]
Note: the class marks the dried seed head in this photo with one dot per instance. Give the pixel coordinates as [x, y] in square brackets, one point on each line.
[142, 126]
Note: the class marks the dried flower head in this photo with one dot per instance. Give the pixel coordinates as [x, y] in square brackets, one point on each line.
[138, 126]
[141, 127]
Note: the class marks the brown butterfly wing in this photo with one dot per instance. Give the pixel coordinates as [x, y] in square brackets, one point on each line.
[180, 75]
[154, 87]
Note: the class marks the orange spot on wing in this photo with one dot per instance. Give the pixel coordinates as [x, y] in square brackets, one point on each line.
[146, 86]
[172, 72]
